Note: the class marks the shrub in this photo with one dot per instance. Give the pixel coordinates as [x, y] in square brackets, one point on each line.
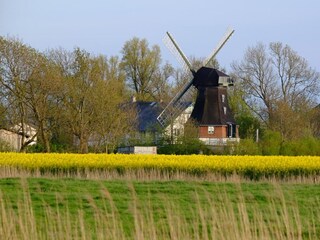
[247, 147]
[185, 147]
[271, 143]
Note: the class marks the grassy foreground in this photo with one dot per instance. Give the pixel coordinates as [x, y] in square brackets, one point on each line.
[40, 208]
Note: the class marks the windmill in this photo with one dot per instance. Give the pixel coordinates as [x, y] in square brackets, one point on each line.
[211, 112]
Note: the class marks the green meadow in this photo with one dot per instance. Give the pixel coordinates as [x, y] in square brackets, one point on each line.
[73, 208]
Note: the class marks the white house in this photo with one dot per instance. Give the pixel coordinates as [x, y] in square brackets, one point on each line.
[176, 129]
[13, 136]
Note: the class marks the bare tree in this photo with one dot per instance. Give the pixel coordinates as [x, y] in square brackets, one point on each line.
[298, 82]
[258, 80]
[276, 82]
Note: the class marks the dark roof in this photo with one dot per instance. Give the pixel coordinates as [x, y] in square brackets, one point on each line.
[207, 77]
[147, 113]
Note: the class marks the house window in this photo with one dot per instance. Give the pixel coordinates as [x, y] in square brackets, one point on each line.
[224, 110]
[210, 129]
[176, 132]
[223, 97]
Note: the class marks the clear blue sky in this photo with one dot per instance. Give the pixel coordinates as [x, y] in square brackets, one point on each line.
[102, 26]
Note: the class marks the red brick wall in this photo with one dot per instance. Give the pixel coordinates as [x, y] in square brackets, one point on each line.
[219, 132]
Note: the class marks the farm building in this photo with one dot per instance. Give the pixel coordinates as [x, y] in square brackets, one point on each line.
[148, 127]
[213, 132]
[138, 150]
[14, 136]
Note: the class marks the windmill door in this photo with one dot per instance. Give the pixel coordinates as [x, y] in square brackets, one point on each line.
[232, 130]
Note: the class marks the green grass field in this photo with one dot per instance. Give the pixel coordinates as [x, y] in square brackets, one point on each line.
[41, 208]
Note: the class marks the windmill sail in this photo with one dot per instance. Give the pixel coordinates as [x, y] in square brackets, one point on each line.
[172, 45]
[215, 51]
[177, 105]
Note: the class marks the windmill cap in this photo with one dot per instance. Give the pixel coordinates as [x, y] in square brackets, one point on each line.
[207, 77]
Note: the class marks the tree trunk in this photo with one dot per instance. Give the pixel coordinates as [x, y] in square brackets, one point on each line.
[46, 142]
[45, 138]
[83, 148]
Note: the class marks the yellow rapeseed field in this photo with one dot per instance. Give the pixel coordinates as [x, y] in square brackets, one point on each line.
[243, 165]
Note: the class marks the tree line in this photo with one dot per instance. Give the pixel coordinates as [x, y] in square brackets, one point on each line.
[278, 92]
[75, 99]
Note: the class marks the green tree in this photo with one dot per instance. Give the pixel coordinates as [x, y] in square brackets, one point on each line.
[244, 117]
[113, 121]
[141, 64]
[43, 85]
[315, 123]
[161, 89]
[27, 82]
[89, 107]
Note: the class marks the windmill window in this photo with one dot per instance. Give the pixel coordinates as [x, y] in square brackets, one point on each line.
[225, 110]
[210, 129]
[223, 97]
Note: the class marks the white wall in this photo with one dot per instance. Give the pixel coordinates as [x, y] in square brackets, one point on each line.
[178, 124]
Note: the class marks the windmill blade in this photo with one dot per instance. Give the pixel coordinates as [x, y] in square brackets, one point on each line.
[215, 51]
[174, 48]
[177, 105]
